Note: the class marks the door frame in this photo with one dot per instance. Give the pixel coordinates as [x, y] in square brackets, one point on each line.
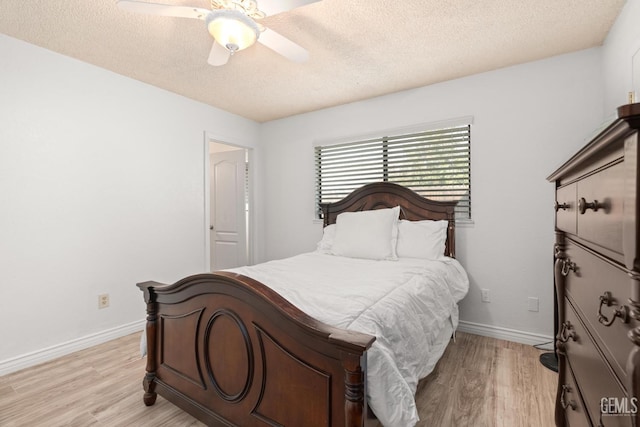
[208, 138]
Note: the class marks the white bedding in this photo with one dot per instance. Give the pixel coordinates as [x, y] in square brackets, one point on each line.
[407, 304]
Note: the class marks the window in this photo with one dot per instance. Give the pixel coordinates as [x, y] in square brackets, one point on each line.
[435, 163]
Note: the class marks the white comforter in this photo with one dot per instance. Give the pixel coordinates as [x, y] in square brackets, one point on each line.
[404, 303]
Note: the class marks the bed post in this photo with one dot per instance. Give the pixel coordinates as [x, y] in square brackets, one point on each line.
[353, 391]
[149, 383]
[451, 236]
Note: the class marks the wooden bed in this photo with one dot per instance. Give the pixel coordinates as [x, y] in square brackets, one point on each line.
[232, 352]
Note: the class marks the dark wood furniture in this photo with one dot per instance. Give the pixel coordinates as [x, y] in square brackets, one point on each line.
[597, 278]
[232, 352]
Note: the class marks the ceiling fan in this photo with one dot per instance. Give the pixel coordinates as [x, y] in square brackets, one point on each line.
[233, 24]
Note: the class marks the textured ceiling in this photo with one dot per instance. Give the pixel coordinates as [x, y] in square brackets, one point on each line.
[358, 48]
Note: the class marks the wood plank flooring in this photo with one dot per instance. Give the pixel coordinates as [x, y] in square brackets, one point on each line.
[480, 382]
[488, 382]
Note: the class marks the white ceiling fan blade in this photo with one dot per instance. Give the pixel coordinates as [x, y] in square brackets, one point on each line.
[219, 55]
[273, 7]
[283, 46]
[163, 9]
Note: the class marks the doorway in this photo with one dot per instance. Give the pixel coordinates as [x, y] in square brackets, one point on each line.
[228, 207]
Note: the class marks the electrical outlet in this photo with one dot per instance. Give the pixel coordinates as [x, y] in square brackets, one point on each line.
[103, 301]
[485, 295]
[533, 303]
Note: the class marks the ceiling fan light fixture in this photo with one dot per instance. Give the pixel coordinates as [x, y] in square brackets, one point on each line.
[232, 29]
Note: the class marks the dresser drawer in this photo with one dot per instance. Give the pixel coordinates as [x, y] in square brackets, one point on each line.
[566, 218]
[596, 381]
[600, 204]
[591, 278]
[571, 402]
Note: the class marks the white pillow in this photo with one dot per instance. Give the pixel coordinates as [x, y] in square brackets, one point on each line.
[422, 239]
[367, 234]
[328, 235]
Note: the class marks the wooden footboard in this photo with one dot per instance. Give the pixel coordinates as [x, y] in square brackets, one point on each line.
[231, 351]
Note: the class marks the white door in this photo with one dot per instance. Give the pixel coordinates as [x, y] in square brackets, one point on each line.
[228, 230]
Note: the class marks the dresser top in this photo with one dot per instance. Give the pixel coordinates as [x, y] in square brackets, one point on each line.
[609, 139]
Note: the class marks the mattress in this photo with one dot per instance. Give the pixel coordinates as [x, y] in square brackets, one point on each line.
[410, 305]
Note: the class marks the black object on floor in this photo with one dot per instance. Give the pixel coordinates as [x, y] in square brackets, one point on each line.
[550, 361]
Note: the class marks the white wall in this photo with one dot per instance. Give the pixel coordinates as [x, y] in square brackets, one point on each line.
[527, 120]
[101, 187]
[621, 43]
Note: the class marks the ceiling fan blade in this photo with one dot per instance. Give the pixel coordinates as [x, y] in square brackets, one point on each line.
[273, 7]
[283, 46]
[163, 9]
[219, 55]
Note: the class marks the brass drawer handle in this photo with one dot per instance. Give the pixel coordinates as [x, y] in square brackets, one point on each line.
[566, 404]
[622, 312]
[566, 333]
[564, 206]
[583, 205]
[567, 266]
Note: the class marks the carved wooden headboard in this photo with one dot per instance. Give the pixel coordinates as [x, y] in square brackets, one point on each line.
[382, 195]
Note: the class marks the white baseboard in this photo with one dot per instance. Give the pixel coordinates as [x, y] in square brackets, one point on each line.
[504, 333]
[40, 356]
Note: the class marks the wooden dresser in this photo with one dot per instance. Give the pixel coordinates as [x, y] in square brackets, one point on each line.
[597, 279]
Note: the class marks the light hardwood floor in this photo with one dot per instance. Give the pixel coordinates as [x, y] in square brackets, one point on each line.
[479, 382]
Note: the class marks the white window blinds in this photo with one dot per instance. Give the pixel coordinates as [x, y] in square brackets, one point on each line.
[435, 163]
